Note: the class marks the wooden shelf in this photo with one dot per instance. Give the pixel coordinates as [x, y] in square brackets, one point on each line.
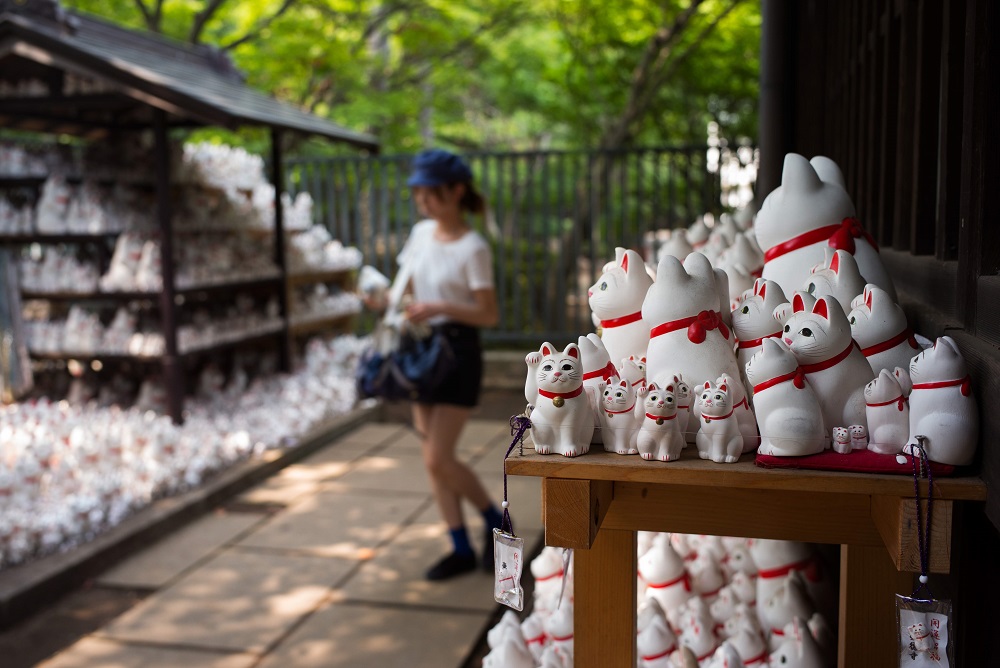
[252, 337]
[21, 181]
[90, 357]
[320, 276]
[227, 285]
[302, 326]
[90, 296]
[83, 237]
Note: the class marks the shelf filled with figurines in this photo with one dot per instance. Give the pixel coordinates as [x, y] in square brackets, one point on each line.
[93, 441]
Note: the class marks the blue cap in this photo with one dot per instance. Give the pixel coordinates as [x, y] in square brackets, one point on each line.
[437, 167]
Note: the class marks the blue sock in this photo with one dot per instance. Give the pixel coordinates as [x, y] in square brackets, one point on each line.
[493, 517]
[460, 539]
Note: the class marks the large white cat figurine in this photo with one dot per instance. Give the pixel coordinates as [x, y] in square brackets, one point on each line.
[879, 326]
[838, 277]
[688, 334]
[616, 299]
[821, 341]
[719, 438]
[942, 407]
[808, 212]
[619, 417]
[744, 414]
[788, 411]
[562, 420]
[659, 434]
[754, 321]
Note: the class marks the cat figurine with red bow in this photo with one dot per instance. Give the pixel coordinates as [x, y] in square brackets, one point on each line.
[808, 212]
[837, 277]
[754, 321]
[619, 416]
[688, 334]
[879, 326]
[597, 369]
[562, 420]
[833, 364]
[743, 412]
[719, 437]
[616, 299]
[788, 411]
[659, 435]
[942, 407]
[888, 414]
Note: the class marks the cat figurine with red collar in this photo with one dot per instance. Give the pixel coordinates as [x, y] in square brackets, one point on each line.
[685, 404]
[754, 321]
[751, 646]
[633, 369]
[656, 641]
[798, 648]
[775, 559]
[902, 376]
[676, 245]
[833, 364]
[597, 368]
[562, 420]
[547, 570]
[616, 299]
[744, 414]
[942, 407]
[726, 656]
[659, 436]
[837, 277]
[788, 411]
[808, 212]
[790, 600]
[879, 326]
[697, 630]
[719, 437]
[559, 628]
[620, 417]
[509, 653]
[783, 312]
[743, 252]
[666, 579]
[688, 334]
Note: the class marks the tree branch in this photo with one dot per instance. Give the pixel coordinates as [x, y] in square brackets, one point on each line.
[158, 14]
[261, 26]
[150, 24]
[201, 18]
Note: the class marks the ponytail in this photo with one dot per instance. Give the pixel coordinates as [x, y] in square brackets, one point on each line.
[472, 201]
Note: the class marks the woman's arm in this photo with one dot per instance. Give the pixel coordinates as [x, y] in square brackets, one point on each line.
[484, 313]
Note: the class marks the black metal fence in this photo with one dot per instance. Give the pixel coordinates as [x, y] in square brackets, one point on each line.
[554, 217]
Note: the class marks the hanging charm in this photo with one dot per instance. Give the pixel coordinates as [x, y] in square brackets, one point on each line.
[925, 624]
[508, 549]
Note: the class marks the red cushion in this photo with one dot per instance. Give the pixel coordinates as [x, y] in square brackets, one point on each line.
[863, 461]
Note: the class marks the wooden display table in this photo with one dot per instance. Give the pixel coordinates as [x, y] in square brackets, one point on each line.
[597, 502]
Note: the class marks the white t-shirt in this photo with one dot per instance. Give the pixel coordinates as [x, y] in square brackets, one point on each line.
[447, 271]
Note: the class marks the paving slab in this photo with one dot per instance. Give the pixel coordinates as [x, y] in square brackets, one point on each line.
[336, 522]
[330, 462]
[524, 494]
[345, 635]
[374, 433]
[396, 573]
[93, 652]
[167, 558]
[238, 602]
[401, 471]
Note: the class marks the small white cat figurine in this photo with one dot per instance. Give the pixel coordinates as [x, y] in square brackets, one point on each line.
[782, 312]
[888, 414]
[666, 579]
[942, 407]
[859, 436]
[790, 600]
[879, 326]
[685, 404]
[597, 368]
[656, 641]
[838, 277]
[902, 375]
[726, 656]
[788, 411]
[840, 437]
[753, 319]
[616, 299]
[511, 652]
[659, 435]
[744, 414]
[798, 648]
[619, 421]
[719, 438]
[821, 341]
[562, 420]
[633, 370]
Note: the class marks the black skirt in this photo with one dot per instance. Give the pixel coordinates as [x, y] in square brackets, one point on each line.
[460, 387]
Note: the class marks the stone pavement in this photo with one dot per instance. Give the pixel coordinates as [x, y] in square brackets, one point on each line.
[320, 565]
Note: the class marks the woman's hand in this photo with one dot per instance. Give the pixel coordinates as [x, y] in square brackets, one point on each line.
[422, 311]
[375, 302]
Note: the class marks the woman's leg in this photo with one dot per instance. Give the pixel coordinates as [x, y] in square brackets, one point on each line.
[449, 503]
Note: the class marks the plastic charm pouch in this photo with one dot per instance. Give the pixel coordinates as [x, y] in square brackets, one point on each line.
[508, 555]
[924, 632]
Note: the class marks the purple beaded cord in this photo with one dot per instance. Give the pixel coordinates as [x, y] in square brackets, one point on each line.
[519, 424]
[923, 528]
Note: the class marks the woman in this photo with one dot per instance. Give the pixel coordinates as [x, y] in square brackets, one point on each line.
[452, 291]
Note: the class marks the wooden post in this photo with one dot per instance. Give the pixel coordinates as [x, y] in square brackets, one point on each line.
[573, 510]
[278, 180]
[604, 616]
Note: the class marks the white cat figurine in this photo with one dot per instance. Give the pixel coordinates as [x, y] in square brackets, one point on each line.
[750, 645]
[859, 436]
[616, 299]
[510, 653]
[790, 600]
[633, 370]
[726, 656]
[808, 212]
[597, 368]
[942, 407]
[619, 417]
[659, 435]
[902, 375]
[788, 411]
[888, 414]
[782, 312]
[688, 335]
[798, 649]
[744, 414]
[754, 321]
[562, 420]
[821, 341]
[655, 642]
[840, 438]
[666, 579]
[879, 326]
[719, 438]
[837, 277]
[685, 404]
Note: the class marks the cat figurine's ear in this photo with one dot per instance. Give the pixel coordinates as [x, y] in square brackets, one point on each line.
[821, 308]
[797, 174]
[950, 343]
[835, 263]
[624, 383]
[762, 290]
[546, 349]
[798, 304]
[573, 351]
[868, 298]
[652, 387]
[696, 264]
[619, 256]
[828, 171]
[670, 388]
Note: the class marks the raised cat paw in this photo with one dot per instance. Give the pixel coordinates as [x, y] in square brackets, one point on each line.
[641, 391]
[533, 359]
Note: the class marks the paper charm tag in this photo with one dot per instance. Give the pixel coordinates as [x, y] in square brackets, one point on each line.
[924, 632]
[508, 558]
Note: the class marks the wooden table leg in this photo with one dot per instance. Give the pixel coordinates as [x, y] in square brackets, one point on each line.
[604, 589]
[868, 584]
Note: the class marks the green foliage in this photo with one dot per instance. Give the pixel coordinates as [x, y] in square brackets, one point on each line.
[481, 74]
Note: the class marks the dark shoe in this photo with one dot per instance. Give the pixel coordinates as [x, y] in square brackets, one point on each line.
[488, 563]
[452, 565]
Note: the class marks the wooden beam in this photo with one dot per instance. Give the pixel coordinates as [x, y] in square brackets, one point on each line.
[896, 520]
[573, 511]
[604, 613]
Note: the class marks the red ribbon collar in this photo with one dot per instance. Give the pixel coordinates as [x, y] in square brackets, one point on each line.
[660, 417]
[796, 377]
[685, 578]
[753, 343]
[905, 335]
[562, 639]
[627, 410]
[539, 639]
[565, 395]
[624, 320]
[662, 654]
[697, 326]
[965, 383]
[710, 418]
[832, 362]
[605, 373]
[900, 401]
[760, 658]
[840, 236]
[549, 577]
[808, 566]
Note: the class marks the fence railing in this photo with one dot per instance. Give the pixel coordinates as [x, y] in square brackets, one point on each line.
[554, 217]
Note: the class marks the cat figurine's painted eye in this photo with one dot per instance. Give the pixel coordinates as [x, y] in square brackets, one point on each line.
[567, 367]
[547, 367]
[604, 285]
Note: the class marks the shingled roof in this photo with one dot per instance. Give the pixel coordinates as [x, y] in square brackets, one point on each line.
[195, 85]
